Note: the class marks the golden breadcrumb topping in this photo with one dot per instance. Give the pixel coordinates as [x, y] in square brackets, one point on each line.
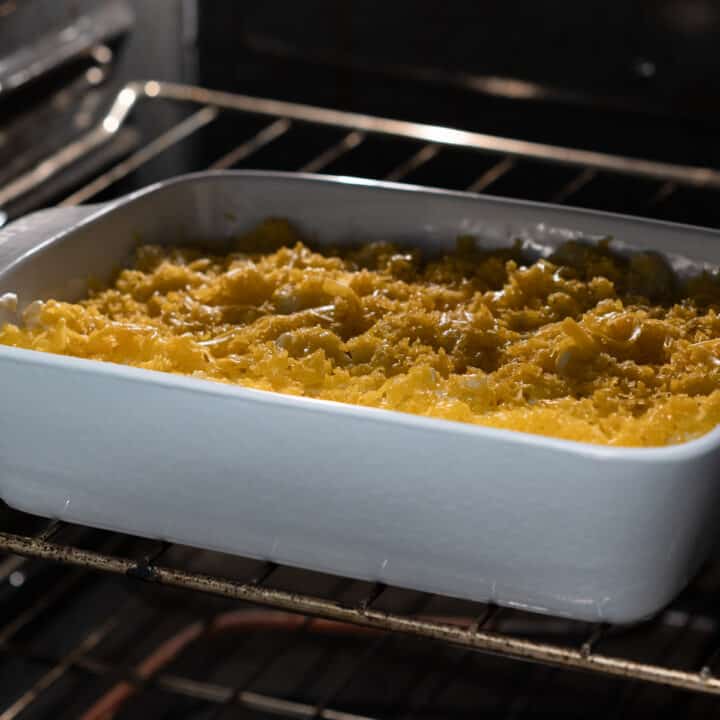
[584, 345]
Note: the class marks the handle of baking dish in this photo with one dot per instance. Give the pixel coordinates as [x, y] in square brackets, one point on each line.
[29, 232]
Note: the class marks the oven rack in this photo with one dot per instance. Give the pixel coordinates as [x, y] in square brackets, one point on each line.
[692, 620]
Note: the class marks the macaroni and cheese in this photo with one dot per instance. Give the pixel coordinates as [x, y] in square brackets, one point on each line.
[584, 345]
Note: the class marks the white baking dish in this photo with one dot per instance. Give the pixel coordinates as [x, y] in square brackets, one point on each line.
[559, 527]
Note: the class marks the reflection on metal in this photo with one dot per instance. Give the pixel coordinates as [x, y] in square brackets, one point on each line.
[148, 152]
[493, 174]
[45, 170]
[420, 158]
[264, 137]
[335, 152]
[57, 47]
[367, 617]
[359, 126]
[75, 151]
[684, 174]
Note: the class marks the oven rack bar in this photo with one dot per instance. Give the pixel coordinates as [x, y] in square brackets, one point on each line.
[138, 92]
[685, 174]
[467, 637]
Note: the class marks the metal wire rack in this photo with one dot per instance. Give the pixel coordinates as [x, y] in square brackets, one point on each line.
[677, 649]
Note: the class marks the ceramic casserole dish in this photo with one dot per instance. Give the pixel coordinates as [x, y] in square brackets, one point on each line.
[590, 532]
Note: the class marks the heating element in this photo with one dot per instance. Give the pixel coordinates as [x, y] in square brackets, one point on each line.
[90, 624]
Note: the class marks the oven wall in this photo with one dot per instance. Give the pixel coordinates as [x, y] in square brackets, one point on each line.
[639, 78]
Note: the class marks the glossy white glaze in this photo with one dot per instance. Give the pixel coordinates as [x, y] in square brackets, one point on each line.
[567, 528]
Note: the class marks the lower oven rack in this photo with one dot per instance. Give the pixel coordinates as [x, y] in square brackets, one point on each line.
[681, 646]
[472, 635]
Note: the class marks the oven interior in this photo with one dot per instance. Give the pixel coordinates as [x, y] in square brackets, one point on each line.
[99, 625]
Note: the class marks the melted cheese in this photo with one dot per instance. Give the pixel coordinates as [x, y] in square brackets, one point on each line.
[584, 346]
